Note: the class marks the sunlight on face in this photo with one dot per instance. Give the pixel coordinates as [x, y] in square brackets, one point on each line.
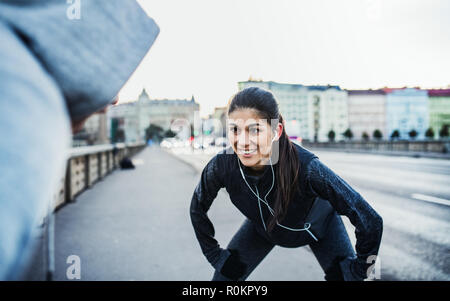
[250, 137]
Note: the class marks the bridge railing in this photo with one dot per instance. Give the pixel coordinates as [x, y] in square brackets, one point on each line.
[85, 166]
[88, 164]
[432, 146]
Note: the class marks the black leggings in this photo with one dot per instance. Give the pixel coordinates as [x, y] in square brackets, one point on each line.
[252, 248]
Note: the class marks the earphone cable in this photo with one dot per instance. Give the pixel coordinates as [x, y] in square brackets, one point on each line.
[307, 225]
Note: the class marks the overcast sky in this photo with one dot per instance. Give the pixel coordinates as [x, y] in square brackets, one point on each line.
[206, 46]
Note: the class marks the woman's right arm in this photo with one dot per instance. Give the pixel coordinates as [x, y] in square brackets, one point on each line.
[206, 191]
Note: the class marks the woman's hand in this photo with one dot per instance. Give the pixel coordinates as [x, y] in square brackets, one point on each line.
[350, 270]
[233, 267]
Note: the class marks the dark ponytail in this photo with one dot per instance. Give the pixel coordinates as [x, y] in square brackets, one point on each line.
[287, 167]
[286, 175]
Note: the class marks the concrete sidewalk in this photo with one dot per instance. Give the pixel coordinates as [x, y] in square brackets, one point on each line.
[135, 225]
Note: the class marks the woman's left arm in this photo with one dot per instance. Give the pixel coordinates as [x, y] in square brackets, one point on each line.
[322, 181]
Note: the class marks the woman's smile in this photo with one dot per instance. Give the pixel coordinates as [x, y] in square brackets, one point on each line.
[246, 153]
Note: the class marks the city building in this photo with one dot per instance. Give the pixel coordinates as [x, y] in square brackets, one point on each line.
[327, 110]
[439, 109]
[367, 112]
[310, 112]
[220, 117]
[406, 110]
[135, 117]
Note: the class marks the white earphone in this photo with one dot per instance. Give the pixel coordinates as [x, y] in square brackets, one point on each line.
[276, 136]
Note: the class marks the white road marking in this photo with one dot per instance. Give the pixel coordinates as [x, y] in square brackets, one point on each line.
[431, 199]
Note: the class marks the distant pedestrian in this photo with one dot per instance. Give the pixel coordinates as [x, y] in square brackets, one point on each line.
[288, 196]
[126, 163]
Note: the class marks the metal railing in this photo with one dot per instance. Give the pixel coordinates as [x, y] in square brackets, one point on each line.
[85, 166]
[436, 146]
[88, 164]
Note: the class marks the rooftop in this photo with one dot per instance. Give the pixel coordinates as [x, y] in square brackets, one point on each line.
[439, 92]
[366, 92]
[294, 86]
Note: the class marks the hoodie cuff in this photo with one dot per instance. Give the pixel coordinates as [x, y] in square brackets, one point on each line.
[350, 270]
[223, 256]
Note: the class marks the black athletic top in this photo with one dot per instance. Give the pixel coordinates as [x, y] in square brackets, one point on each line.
[315, 180]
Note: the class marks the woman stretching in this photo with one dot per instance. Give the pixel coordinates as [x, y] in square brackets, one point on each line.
[288, 196]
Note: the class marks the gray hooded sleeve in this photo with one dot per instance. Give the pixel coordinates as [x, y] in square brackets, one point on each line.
[89, 47]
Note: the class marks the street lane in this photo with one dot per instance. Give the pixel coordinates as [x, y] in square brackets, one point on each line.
[416, 240]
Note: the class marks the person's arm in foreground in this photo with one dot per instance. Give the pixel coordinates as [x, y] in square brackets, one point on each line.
[54, 71]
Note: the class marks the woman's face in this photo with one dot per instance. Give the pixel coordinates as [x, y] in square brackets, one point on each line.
[251, 137]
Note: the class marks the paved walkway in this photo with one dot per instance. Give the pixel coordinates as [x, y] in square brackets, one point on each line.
[135, 225]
